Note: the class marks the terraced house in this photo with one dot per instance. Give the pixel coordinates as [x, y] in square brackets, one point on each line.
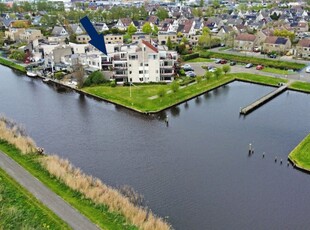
[303, 48]
[277, 44]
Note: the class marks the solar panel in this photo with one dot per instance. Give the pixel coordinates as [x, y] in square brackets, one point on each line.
[281, 41]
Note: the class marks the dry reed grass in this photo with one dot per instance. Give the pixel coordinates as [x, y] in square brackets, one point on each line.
[16, 135]
[97, 191]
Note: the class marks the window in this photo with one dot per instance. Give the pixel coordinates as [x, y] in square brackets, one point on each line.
[130, 72]
[141, 64]
[129, 65]
[140, 71]
[146, 64]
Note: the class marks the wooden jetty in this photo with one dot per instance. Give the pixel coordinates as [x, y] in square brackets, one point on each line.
[246, 110]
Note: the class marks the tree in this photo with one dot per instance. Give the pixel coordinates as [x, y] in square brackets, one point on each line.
[218, 72]
[204, 40]
[3, 7]
[275, 16]
[175, 86]
[155, 30]
[284, 33]
[169, 43]
[226, 68]
[162, 13]
[216, 4]
[208, 75]
[147, 28]
[201, 3]
[131, 29]
[198, 79]
[18, 55]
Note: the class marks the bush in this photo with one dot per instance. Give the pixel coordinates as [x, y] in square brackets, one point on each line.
[95, 78]
[18, 55]
[182, 72]
[187, 81]
[113, 83]
[59, 75]
[175, 86]
[190, 56]
[198, 79]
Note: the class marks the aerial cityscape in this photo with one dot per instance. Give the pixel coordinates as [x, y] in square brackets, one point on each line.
[153, 115]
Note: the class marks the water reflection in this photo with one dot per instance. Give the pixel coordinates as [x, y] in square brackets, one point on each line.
[175, 111]
[186, 106]
[197, 101]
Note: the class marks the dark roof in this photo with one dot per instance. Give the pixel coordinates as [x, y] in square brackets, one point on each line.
[281, 41]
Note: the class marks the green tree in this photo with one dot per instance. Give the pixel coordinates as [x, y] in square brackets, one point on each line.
[198, 79]
[201, 3]
[18, 55]
[175, 86]
[95, 78]
[216, 4]
[208, 75]
[284, 33]
[162, 13]
[147, 28]
[226, 69]
[218, 73]
[155, 30]
[169, 43]
[131, 29]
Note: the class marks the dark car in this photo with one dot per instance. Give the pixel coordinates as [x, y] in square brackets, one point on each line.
[272, 55]
[223, 61]
[232, 63]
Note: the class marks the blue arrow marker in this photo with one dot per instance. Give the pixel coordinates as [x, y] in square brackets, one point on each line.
[97, 40]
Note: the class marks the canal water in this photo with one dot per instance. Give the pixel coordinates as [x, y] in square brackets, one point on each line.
[196, 172]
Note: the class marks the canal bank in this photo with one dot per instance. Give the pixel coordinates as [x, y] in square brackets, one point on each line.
[176, 168]
[300, 155]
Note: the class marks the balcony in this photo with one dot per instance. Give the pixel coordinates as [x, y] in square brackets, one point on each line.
[116, 67]
[106, 63]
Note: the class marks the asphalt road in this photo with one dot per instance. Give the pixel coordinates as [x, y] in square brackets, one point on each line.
[302, 75]
[75, 219]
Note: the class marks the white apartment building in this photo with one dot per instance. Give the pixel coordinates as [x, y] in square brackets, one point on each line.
[142, 62]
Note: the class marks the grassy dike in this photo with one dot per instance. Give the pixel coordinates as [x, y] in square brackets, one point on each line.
[21, 210]
[11, 64]
[106, 206]
[300, 156]
[140, 95]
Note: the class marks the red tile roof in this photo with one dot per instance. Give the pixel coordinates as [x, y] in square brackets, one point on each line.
[304, 43]
[246, 37]
[149, 45]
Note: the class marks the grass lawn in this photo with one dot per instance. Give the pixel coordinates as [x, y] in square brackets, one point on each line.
[276, 71]
[140, 95]
[301, 86]
[98, 214]
[301, 154]
[21, 210]
[199, 60]
[11, 64]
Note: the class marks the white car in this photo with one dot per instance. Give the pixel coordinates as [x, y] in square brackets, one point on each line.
[308, 69]
[186, 66]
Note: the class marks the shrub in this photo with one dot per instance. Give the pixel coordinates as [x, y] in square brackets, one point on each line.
[182, 72]
[198, 79]
[175, 86]
[113, 83]
[59, 75]
[95, 78]
[226, 68]
[190, 56]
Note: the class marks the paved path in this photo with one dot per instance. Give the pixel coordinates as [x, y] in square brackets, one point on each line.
[75, 219]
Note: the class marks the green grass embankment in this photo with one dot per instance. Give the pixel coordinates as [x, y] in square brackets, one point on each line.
[141, 94]
[300, 86]
[300, 156]
[12, 64]
[21, 210]
[199, 60]
[97, 213]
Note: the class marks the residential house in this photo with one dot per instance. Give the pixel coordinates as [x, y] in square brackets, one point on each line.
[138, 35]
[187, 28]
[30, 35]
[101, 27]
[277, 44]
[299, 27]
[60, 51]
[114, 38]
[163, 37]
[303, 48]
[59, 31]
[153, 19]
[83, 38]
[262, 35]
[245, 42]
[14, 33]
[123, 23]
[76, 29]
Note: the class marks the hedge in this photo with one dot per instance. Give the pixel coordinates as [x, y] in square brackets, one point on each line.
[190, 56]
[256, 61]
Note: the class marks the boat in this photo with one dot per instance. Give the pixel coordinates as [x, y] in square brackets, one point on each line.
[45, 80]
[31, 74]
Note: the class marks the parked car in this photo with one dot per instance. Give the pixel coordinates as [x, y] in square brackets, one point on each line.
[190, 74]
[249, 65]
[256, 49]
[212, 70]
[232, 63]
[259, 67]
[218, 61]
[308, 69]
[187, 67]
[223, 61]
[272, 55]
[210, 67]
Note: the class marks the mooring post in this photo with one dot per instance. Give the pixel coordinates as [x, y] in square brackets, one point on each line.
[275, 159]
[250, 148]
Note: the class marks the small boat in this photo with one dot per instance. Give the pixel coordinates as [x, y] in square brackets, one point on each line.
[45, 80]
[31, 74]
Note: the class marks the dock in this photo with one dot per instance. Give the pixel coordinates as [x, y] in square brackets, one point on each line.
[249, 108]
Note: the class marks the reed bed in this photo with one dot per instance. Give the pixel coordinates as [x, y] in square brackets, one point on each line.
[94, 189]
[124, 201]
[16, 135]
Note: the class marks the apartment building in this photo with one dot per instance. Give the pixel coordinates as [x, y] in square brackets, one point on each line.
[163, 37]
[30, 35]
[143, 62]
